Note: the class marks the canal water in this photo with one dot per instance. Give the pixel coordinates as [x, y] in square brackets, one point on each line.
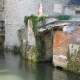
[14, 67]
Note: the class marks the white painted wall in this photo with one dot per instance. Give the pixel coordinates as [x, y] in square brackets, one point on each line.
[15, 10]
[70, 11]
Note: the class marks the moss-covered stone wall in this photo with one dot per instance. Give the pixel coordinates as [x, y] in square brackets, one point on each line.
[73, 57]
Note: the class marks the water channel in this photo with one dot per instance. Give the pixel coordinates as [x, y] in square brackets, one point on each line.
[14, 67]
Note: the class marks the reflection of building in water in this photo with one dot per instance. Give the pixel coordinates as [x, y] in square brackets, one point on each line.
[59, 75]
[64, 75]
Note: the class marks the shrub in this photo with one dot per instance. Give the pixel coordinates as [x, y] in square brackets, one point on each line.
[64, 17]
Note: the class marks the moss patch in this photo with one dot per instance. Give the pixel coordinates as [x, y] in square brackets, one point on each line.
[40, 46]
[21, 49]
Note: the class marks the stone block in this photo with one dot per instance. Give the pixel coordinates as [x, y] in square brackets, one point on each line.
[60, 60]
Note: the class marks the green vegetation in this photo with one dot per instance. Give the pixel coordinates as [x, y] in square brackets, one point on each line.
[64, 17]
[21, 49]
[34, 53]
[73, 62]
[37, 50]
[35, 20]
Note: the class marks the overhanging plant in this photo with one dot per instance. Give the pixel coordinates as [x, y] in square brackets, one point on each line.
[35, 20]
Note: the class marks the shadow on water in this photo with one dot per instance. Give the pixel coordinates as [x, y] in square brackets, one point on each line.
[1, 47]
[72, 76]
[46, 71]
[42, 71]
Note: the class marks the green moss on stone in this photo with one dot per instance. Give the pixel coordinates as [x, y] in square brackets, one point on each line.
[21, 49]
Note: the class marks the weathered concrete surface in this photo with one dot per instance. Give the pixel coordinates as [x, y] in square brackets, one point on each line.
[28, 40]
[66, 48]
[23, 39]
[60, 48]
[74, 57]
[15, 10]
[36, 46]
[74, 37]
[71, 10]
[74, 48]
[48, 46]
[60, 43]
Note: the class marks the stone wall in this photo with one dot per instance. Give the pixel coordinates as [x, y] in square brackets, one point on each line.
[27, 41]
[74, 57]
[48, 46]
[71, 10]
[60, 48]
[23, 39]
[75, 36]
[15, 10]
[51, 7]
[36, 47]
[74, 51]
[66, 48]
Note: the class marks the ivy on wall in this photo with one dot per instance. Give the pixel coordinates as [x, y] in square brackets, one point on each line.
[35, 20]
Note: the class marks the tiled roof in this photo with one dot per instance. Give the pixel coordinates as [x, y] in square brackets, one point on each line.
[74, 2]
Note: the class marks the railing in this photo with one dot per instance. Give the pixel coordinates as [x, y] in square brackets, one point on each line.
[2, 26]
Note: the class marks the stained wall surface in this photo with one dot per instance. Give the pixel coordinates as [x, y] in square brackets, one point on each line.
[15, 10]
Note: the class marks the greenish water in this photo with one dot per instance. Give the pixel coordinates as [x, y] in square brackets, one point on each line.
[14, 67]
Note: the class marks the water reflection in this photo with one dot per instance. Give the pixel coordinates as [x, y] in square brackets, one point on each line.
[14, 67]
[72, 76]
[59, 75]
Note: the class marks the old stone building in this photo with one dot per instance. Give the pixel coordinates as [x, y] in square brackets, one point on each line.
[62, 43]
[57, 41]
[13, 12]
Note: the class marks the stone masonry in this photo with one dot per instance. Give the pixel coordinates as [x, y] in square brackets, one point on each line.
[15, 10]
[60, 48]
